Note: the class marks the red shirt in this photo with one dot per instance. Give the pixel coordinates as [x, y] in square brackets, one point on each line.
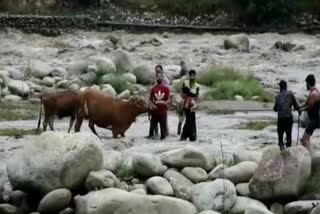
[160, 93]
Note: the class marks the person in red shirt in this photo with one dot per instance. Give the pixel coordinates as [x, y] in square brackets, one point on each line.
[160, 97]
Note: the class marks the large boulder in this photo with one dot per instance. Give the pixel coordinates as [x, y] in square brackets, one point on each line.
[14, 73]
[21, 200]
[245, 155]
[109, 90]
[281, 175]
[159, 186]
[88, 78]
[243, 189]
[111, 160]
[144, 74]
[209, 212]
[244, 203]
[59, 72]
[217, 171]
[122, 61]
[180, 184]
[298, 207]
[9, 209]
[78, 67]
[316, 210]
[257, 210]
[148, 165]
[219, 195]
[125, 95]
[195, 174]
[239, 42]
[55, 201]
[240, 173]
[12, 98]
[187, 157]
[53, 160]
[110, 201]
[19, 87]
[40, 69]
[104, 65]
[101, 179]
[129, 77]
[106, 79]
[48, 81]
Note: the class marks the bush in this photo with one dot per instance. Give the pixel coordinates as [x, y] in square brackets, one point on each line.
[227, 82]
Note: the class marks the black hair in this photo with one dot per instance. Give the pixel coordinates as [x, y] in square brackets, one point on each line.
[283, 85]
[311, 80]
[159, 66]
[192, 72]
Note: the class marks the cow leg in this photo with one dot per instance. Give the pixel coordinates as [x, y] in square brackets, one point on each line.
[51, 122]
[114, 134]
[122, 135]
[46, 120]
[91, 126]
[78, 122]
[73, 117]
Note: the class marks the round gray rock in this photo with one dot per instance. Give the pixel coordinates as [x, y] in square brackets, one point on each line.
[55, 201]
[144, 74]
[103, 202]
[195, 174]
[209, 212]
[211, 195]
[159, 186]
[9, 209]
[243, 189]
[148, 165]
[180, 184]
[277, 208]
[101, 179]
[52, 160]
[67, 211]
[281, 175]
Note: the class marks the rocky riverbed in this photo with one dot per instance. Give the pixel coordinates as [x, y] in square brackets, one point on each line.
[44, 63]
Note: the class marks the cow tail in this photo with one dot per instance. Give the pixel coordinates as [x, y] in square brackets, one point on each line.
[39, 121]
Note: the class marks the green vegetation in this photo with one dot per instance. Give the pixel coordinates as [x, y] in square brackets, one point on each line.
[313, 184]
[227, 82]
[258, 125]
[122, 172]
[18, 111]
[17, 133]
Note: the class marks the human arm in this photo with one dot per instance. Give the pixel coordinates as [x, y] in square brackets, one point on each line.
[275, 108]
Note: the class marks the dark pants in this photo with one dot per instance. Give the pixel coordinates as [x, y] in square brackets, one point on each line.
[285, 126]
[189, 128]
[155, 119]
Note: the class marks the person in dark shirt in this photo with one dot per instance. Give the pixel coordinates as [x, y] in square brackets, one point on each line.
[190, 92]
[160, 97]
[312, 106]
[283, 105]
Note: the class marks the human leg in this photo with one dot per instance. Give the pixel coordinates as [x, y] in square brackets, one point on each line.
[163, 126]
[288, 131]
[193, 127]
[280, 130]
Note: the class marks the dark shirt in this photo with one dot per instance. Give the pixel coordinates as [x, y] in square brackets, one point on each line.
[284, 102]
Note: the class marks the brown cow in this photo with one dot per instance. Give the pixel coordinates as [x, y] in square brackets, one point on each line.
[62, 104]
[108, 112]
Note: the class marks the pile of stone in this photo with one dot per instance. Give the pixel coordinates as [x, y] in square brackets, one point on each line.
[70, 173]
[101, 72]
